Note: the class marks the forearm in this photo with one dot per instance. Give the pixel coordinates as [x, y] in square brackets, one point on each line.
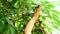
[30, 24]
[46, 31]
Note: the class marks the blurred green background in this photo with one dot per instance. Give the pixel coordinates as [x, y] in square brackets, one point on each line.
[15, 14]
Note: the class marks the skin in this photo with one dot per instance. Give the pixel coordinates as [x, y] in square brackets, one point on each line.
[46, 31]
[31, 23]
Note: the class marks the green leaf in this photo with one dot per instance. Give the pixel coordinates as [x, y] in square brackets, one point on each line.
[12, 30]
[17, 4]
[0, 4]
[9, 21]
[1, 15]
[1, 26]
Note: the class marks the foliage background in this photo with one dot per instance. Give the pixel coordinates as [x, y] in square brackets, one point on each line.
[15, 14]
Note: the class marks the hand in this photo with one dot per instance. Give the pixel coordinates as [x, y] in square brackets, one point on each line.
[37, 11]
[41, 25]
